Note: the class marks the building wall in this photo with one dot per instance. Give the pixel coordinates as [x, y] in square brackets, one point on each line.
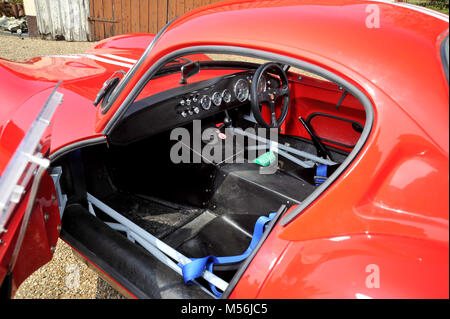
[114, 17]
[30, 8]
[93, 20]
[63, 19]
[30, 13]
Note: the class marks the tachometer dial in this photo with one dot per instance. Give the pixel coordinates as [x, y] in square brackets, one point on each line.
[226, 96]
[241, 90]
[205, 102]
[217, 98]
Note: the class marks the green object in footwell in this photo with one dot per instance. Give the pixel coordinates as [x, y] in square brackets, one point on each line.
[266, 159]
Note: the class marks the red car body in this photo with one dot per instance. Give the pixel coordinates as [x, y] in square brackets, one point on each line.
[386, 215]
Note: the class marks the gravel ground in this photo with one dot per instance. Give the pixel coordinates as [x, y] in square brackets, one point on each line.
[14, 48]
[65, 276]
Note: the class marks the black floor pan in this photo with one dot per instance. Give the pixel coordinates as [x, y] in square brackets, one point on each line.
[226, 235]
[242, 189]
[127, 263]
[158, 218]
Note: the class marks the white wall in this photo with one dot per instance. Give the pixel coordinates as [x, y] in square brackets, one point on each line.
[30, 8]
[68, 18]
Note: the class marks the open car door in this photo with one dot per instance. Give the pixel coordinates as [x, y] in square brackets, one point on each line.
[29, 213]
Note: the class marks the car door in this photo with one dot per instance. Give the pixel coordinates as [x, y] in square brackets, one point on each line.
[29, 213]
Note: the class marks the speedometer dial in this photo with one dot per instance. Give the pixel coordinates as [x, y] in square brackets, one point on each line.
[205, 102]
[226, 96]
[217, 98]
[241, 90]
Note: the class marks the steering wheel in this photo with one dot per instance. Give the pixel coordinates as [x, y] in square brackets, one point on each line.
[270, 95]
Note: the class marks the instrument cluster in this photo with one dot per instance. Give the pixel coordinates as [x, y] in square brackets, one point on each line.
[214, 98]
[196, 101]
[182, 104]
[227, 93]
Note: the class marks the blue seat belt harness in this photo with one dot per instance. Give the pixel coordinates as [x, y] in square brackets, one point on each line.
[196, 267]
[321, 174]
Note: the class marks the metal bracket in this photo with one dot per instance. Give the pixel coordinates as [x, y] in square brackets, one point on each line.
[62, 198]
[341, 99]
[93, 19]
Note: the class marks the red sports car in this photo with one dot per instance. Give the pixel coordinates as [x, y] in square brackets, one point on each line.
[250, 149]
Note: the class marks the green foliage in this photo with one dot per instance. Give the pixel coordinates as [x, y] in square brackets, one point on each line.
[439, 5]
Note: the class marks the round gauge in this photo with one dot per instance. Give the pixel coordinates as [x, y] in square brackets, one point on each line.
[226, 96]
[217, 98]
[241, 90]
[205, 102]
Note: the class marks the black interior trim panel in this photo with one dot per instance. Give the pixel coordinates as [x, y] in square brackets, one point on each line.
[163, 111]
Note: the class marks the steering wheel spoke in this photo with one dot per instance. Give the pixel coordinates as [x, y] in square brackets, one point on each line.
[273, 114]
[282, 91]
[263, 97]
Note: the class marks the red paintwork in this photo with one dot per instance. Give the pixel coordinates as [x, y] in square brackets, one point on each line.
[310, 96]
[24, 89]
[336, 267]
[389, 208]
[82, 78]
[41, 235]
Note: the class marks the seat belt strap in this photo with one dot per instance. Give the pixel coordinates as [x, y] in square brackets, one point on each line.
[197, 266]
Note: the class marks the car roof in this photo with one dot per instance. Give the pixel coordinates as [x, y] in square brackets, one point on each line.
[401, 56]
[341, 27]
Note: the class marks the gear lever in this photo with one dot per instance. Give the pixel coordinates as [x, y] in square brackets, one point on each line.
[227, 121]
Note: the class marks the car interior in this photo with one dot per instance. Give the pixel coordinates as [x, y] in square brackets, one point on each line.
[212, 143]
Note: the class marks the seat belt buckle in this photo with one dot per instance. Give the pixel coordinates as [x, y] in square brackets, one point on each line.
[321, 174]
[320, 179]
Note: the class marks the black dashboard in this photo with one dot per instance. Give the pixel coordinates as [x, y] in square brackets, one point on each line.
[178, 106]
